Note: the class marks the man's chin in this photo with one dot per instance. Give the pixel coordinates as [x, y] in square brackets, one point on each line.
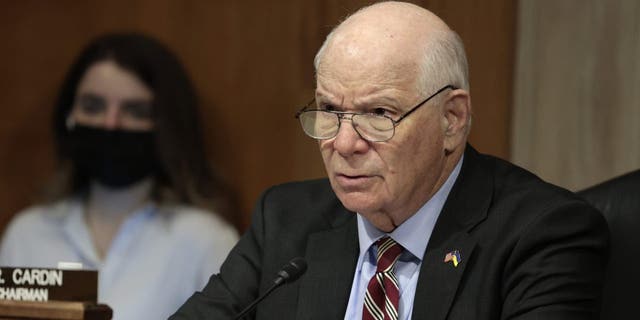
[359, 201]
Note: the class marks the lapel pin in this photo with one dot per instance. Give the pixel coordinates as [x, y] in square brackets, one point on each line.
[453, 256]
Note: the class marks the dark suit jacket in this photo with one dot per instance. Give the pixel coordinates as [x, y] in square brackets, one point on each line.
[529, 251]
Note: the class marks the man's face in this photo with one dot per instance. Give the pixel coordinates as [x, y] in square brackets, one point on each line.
[388, 181]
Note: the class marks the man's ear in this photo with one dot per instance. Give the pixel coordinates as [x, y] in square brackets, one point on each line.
[457, 119]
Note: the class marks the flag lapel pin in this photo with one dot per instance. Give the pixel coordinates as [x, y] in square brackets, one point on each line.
[453, 256]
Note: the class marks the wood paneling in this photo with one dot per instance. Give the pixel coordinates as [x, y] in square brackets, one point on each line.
[252, 64]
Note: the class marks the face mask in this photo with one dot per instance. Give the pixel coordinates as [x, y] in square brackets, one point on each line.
[114, 158]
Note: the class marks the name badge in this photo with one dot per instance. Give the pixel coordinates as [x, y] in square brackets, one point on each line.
[39, 284]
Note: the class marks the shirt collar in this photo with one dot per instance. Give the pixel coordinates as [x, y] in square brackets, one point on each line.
[414, 233]
[77, 231]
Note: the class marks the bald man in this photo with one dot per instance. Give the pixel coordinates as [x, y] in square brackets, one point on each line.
[412, 222]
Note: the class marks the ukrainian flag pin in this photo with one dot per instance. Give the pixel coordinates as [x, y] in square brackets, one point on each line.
[453, 256]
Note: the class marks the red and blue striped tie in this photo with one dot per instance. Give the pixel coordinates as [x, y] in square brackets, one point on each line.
[383, 296]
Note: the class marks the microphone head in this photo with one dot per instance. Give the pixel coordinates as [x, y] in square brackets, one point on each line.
[292, 270]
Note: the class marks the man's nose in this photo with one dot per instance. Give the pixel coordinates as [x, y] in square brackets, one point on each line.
[348, 141]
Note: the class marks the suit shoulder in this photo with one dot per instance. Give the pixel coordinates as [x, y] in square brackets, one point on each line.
[511, 180]
[311, 192]
[316, 186]
[307, 203]
[524, 205]
[519, 195]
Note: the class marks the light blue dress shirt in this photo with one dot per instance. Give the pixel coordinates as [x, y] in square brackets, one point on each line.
[160, 256]
[413, 235]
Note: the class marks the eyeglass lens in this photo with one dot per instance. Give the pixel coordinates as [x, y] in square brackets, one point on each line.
[325, 125]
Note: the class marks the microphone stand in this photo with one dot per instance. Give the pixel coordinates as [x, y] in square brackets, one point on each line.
[250, 307]
[289, 273]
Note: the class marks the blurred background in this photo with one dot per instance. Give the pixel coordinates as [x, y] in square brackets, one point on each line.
[554, 84]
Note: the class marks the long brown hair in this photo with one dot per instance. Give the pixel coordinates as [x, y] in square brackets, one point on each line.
[185, 175]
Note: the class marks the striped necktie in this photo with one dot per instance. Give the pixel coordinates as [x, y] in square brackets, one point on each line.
[383, 296]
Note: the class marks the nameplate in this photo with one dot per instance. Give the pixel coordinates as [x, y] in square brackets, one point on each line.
[40, 284]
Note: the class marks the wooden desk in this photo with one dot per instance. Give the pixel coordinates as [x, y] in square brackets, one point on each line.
[54, 310]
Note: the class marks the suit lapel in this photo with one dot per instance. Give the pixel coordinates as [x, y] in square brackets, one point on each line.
[438, 280]
[466, 207]
[332, 256]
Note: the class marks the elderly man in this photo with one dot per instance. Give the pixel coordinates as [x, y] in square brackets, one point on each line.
[412, 223]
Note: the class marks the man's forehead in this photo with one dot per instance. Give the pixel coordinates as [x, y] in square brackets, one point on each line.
[373, 41]
[365, 76]
[364, 94]
[373, 48]
[367, 70]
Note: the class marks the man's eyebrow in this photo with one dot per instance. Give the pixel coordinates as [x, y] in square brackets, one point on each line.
[320, 97]
[376, 100]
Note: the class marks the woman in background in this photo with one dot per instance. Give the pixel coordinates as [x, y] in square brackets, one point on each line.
[134, 195]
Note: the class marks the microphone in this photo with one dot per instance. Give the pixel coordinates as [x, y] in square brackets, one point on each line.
[290, 272]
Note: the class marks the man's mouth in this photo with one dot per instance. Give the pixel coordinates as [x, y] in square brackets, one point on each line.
[353, 181]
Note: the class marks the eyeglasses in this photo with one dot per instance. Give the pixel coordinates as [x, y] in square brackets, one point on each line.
[325, 124]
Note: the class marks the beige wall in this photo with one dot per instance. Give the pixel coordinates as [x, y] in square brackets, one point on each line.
[576, 113]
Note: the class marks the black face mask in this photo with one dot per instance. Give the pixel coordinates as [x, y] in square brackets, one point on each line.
[114, 158]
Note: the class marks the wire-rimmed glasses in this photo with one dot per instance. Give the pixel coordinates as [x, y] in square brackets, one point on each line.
[324, 124]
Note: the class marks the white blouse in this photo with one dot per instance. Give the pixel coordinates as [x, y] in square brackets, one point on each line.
[160, 256]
